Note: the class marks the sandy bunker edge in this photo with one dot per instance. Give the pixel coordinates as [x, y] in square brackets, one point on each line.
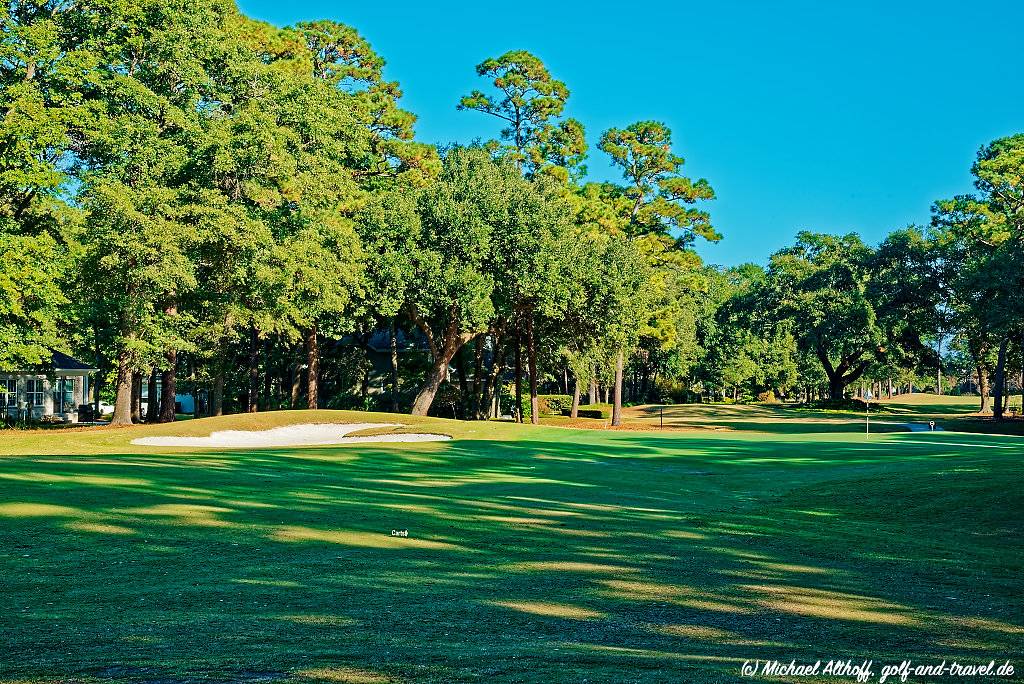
[306, 434]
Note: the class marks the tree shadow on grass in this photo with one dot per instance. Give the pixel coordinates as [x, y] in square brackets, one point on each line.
[605, 557]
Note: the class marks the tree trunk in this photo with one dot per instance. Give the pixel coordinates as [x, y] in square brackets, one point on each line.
[97, 385]
[592, 390]
[491, 392]
[136, 397]
[436, 376]
[364, 385]
[217, 405]
[123, 403]
[986, 405]
[460, 370]
[617, 406]
[313, 368]
[574, 412]
[252, 393]
[836, 387]
[531, 358]
[277, 381]
[478, 369]
[452, 341]
[169, 378]
[152, 401]
[268, 380]
[518, 378]
[169, 387]
[999, 390]
[394, 366]
[296, 388]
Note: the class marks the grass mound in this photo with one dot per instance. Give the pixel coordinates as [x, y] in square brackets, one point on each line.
[846, 404]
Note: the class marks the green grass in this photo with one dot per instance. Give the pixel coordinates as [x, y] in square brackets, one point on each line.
[951, 413]
[534, 553]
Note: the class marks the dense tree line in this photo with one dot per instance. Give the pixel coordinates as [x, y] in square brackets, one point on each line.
[206, 203]
[832, 314]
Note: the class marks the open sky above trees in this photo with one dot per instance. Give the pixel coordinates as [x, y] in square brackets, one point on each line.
[830, 117]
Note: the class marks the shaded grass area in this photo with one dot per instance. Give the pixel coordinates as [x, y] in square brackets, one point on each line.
[534, 554]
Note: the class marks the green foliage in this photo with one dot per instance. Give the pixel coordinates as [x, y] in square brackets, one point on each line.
[745, 349]
[822, 285]
[530, 103]
[44, 68]
[451, 281]
[979, 240]
[548, 404]
[602, 411]
[389, 228]
[660, 200]
[31, 271]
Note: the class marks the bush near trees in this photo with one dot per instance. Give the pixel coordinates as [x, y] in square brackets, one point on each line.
[243, 212]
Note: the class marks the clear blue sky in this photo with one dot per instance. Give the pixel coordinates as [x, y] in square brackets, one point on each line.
[828, 116]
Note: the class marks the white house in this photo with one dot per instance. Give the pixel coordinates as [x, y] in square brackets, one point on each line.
[184, 403]
[56, 390]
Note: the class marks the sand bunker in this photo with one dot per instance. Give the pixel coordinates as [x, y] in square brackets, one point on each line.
[291, 435]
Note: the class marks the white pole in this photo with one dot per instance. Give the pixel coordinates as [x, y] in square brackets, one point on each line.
[867, 415]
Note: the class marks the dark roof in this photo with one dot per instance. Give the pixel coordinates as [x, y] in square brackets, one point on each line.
[380, 341]
[64, 362]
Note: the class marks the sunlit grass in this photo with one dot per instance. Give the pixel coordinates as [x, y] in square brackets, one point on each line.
[357, 538]
[548, 609]
[343, 675]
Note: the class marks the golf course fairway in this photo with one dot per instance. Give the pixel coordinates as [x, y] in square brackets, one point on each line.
[510, 553]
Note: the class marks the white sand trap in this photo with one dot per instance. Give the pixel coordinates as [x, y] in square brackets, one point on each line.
[311, 434]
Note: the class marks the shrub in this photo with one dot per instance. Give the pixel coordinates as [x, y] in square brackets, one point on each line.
[548, 404]
[554, 404]
[592, 411]
[670, 391]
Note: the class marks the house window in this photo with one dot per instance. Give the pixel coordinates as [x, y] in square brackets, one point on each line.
[64, 395]
[9, 393]
[34, 392]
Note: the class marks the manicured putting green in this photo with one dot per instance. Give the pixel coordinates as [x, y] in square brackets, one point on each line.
[533, 554]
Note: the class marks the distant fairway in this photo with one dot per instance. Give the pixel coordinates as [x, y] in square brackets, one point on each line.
[951, 413]
[533, 553]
